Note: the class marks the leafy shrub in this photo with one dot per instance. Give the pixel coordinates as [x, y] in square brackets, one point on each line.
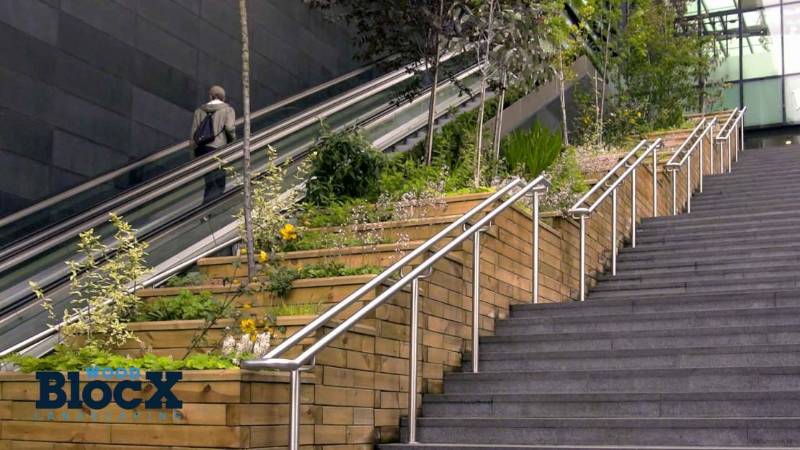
[186, 306]
[100, 292]
[343, 164]
[279, 279]
[530, 152]
[189, 279]
[67, 359]
[567, 181]
[313, 240]
[340, 213]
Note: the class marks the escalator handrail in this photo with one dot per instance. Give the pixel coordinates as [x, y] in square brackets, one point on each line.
[226, 242]
[171, 149]
[24, 249]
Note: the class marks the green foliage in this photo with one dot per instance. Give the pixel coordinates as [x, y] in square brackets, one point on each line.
[102, 293]
[280, 278]
[188, 279]
[567, 181]
[343, 165]
[186, 306]
[70, 359]
[314, 240]
[339, 213]
[271, 206]
[530, 152]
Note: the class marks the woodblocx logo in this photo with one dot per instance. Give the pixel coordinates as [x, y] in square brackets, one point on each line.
[104, 385]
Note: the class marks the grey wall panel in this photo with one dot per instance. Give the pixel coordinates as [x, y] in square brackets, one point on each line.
[89, 85]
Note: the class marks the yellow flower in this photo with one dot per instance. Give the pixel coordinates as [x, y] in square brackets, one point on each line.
[247, 305]
[262, 257]
[248, 326]
[253, 336]
[289, 232]
[243, 251]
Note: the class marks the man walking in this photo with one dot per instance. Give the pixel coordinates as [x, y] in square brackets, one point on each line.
[213, 127]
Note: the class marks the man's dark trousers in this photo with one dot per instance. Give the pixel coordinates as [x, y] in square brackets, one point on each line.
[215, 180]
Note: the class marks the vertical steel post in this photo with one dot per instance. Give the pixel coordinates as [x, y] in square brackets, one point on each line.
[583, 258]
[633, 208]
[294, 413]
[741, 131]
[674, 192]
[702, 157]
[730, 160]
[689, 184]
[412, 373]
[476, 296]
[738, 148]
[721, 157]
[535, 250]
[655, 181]
[713, 140]
[614, 232]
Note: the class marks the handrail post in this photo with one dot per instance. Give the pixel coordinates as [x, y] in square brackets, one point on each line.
[476, 296]
[701, 159]
[730, 160]
[614, 233]
[535, 250]
[674, 191]
[294, 414]
[583, 258]
[412, 373]
[711, 160]
[721, 156]
[655, 181]
[689, 184]
[633, 208]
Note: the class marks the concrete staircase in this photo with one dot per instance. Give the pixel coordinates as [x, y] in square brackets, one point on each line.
[694, 344]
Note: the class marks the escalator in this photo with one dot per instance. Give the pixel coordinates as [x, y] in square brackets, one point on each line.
[162, 195]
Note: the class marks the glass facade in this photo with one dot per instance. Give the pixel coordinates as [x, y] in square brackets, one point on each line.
[758, 43]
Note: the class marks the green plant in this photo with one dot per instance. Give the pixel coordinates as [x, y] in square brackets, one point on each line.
[65, 358]
[102, 292]
[530, 152]
[186, 306]
[279, 279]
[343, 165]
[188, 279]
[313, 240]
[340, 212]
[567, 181]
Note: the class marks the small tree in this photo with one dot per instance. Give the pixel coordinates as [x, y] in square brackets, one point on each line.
[405, 31]
[248, 199]
[508, 39]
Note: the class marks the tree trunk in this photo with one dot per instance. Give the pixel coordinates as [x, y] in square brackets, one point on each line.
[562, 96]
[498, 121]
[605, 78]
[248, 200]
[432, 104]
[479, 143]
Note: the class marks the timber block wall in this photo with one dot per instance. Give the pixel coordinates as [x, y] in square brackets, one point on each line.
[222, 409]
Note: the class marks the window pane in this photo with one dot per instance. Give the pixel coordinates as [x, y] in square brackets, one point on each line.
[763, 100]
[761, 43]
[728, 52]
[728, 98]
[791, 37]
[792, 98]
[751, 4]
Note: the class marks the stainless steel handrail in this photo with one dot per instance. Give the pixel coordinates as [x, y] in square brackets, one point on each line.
[173, 148]
[580, 210]
[735, 122]
[683, 155]
[273, 360]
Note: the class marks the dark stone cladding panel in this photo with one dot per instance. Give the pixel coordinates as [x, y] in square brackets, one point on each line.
[87, 85]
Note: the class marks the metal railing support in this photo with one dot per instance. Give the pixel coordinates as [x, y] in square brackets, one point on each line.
[614, 232]
[633, 208]
[689, 185]
[655, 182]
[702, 157]
[583, 258]
[294, 413]
[730, 159]
[674, 192]
[413, 358]
[535, 250]
[476, 297]
[721, 157]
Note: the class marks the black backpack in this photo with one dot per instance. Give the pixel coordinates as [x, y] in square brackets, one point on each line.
[204, 134]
